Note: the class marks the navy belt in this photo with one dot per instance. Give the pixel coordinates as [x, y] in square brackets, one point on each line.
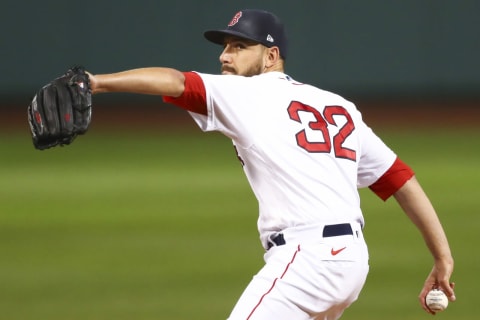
[332, 230]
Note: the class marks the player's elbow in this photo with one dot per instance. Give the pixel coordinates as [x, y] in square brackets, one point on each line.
[177, 83]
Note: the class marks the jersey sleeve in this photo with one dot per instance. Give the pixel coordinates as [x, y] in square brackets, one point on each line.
[375, 157]
[379, 168]
[392, 180]
[193, 98]
[204, 97]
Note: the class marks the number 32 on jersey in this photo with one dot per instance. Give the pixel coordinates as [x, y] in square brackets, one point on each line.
[320, 124]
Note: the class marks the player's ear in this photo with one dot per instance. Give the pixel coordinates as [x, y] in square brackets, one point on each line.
[272, 56]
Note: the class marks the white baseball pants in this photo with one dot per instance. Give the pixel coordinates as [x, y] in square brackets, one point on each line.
[309, 277]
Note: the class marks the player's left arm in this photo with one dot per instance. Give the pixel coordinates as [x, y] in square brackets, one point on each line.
[184, 89]
[153, 81]
[415, 203]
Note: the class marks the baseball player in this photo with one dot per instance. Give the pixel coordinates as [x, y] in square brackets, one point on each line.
[305, 151]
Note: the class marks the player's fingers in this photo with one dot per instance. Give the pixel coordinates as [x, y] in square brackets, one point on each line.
[449, 291]
[447, 288]
[441, 276]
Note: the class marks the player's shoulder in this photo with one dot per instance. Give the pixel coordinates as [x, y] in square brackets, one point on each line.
[328, 96]
[273, 80]
[308, 89]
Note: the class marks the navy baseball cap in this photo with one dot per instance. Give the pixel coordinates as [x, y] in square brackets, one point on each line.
[257, 25]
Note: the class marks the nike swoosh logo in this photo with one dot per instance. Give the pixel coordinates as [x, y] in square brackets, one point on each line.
[335, 252]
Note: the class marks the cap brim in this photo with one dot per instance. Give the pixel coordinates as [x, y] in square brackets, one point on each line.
[218, 36]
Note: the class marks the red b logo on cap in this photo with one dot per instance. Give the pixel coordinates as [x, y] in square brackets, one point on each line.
[235, 19]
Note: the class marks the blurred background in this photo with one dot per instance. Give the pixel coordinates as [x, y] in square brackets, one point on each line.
[166, 227]
[362, 49]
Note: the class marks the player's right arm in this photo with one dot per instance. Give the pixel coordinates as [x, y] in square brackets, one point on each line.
[415, 203]
[399, 181]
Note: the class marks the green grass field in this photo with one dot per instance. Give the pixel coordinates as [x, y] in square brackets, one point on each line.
[163, 226]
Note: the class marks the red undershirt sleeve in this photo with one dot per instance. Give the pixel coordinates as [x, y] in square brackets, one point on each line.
[194, 97]
[392, 180]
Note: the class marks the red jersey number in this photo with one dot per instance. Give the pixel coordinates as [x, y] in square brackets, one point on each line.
[321, 124]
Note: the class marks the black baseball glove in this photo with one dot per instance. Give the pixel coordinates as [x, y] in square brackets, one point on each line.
[61, 110]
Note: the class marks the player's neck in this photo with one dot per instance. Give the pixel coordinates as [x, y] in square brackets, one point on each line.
[276, 67]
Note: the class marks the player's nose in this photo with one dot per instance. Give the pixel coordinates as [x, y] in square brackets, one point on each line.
[225, 57]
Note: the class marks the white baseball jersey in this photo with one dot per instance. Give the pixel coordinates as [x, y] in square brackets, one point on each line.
[305, 151]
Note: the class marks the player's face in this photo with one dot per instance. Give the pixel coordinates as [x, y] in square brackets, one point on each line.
[242, 57]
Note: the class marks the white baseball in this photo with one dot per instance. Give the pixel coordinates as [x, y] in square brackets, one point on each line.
[436, 300]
